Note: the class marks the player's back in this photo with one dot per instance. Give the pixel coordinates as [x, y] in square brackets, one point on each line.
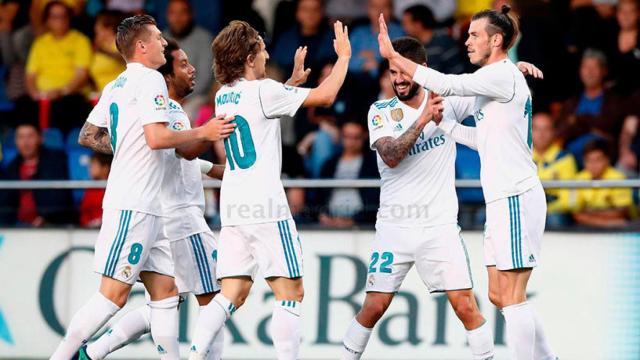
[504, 136]
[251, 189]
[137, 97]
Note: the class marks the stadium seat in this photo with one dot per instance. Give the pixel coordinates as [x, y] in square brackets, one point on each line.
[79, 160]
[72, 139]
[8, 154]
[9, 139]
[53, 139]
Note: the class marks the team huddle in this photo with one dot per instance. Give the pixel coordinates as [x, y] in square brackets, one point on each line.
[154, 229]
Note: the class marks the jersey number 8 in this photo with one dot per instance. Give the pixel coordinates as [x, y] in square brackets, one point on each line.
[113, 125]
[248, 156]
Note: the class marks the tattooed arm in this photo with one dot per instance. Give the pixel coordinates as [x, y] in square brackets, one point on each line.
[96, 138]
[392, 151]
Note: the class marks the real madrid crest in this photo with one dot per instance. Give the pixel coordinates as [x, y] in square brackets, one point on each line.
[397, 114]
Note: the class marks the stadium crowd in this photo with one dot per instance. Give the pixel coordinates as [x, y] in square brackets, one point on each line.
[56, 56]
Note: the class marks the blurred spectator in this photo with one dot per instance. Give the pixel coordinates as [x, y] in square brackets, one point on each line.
[126, 6]
[346, 9]
[91, 204]
[442, 10]
[595, 113]
[16, 37]
[311, 30]
[364, 38]
[243, 10]
[57, 68]
[553, 163]
[625, 55]
[443, 53]
[386, 89]
[36, 162]
[319, 145]
[195, 41]
[107, 62]
[601, 207]
[629, 148]
[345, 207]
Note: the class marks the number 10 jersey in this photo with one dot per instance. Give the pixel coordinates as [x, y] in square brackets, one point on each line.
[251, 191]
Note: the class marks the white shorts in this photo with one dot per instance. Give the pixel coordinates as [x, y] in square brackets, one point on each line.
[129, 243]
[513, 231]
[273, 247]
[438, 252]
[195, 263]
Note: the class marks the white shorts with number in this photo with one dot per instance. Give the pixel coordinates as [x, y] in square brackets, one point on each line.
[514, 228]
[438, 252]
[195, 263]
[272, 247]
[129, 243]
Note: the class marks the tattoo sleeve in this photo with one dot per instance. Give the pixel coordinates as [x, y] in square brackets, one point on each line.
[392, 151]
[96, 138]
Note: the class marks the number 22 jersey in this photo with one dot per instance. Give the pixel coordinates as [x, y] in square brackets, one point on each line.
[252, 191]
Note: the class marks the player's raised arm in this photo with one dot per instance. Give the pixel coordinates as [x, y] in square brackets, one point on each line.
[489, 82]
[325, 94]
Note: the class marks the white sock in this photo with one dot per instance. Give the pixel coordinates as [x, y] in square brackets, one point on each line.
[215, 349]
[542, 350]
[481, 342]
[210, 322]
[286, 329]
[520, 330]
[129, 328]
[86, 322]
[164, 327]
[355, 341]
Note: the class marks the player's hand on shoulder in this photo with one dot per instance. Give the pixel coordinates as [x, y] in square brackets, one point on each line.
[341, 43]
[219, 127]
[434, 108]
[530, 69]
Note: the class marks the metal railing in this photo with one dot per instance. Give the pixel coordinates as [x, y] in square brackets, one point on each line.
[320, 183]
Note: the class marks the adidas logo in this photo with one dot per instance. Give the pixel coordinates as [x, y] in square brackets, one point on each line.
[531, 258]
[398, 127]
[161, 350]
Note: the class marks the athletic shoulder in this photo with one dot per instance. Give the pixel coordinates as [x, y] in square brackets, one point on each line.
[384, 104]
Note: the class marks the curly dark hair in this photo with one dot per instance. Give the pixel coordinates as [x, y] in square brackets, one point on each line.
[231, 48]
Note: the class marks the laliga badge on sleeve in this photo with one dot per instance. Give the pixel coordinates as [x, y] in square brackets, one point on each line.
[397, 114]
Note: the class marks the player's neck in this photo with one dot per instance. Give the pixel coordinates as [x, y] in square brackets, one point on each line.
[416, 101]
[495, 57]
[143, 61]
[174, 96]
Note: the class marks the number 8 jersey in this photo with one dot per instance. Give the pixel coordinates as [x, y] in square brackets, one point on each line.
[136, 98]
[252, 192]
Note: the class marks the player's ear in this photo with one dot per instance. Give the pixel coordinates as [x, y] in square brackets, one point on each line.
[251, 59]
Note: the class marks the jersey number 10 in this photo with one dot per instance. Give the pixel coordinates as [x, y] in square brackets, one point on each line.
[234, 157]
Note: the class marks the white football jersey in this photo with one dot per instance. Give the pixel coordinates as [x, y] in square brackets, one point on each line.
[251, 191]
[137, 97]
[502, 113]
[420, 191]
[182, 191]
